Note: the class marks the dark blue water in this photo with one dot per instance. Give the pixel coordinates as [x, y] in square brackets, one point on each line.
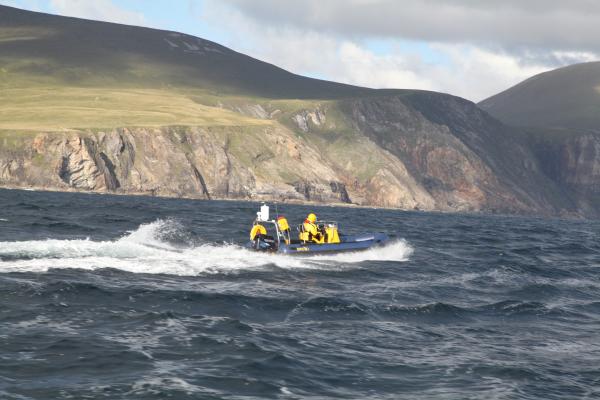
[141, 298]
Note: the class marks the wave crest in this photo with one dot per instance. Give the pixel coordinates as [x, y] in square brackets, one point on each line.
[150, 249]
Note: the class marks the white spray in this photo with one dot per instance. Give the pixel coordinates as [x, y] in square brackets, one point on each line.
[142, 251]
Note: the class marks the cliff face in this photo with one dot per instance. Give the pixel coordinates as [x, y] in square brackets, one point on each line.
[236, 163]
[462, 157]
[455, 175]
[572, 160]
[409, 152]
[190, 162]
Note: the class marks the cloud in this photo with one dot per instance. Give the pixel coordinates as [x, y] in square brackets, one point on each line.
[550, 24]
[306, 41]
[314, 53]
[103, 10]
[34, 5]
[476, 73]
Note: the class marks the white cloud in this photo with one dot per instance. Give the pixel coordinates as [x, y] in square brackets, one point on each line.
[103, 10]
[34, 5]
[510, 24]
[476, 73]
[466, 70]
[360, 66]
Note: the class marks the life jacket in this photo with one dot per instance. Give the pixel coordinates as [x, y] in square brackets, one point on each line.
[282, 222]
[310, 232]
[331, 233]
[257, 229]
[284, 228]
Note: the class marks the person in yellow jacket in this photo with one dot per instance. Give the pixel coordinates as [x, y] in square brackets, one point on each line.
[260, 239]
[257, 230]
[284, 228]
[310, 230]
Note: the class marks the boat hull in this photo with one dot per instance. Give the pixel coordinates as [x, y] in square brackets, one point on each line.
[347, 244]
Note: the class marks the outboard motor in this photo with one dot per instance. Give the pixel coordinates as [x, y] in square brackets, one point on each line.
[259, 238]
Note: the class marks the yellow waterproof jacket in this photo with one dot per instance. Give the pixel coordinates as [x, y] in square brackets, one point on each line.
[310, 232]
[257, 229]
[284, 228]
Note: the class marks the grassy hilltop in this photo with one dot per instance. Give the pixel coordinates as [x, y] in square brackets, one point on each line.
[567, 97]
[71, 73]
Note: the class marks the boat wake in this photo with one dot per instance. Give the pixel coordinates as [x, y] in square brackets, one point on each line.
[150, 250]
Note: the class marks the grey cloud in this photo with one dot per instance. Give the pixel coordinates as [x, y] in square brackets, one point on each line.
[510, 24]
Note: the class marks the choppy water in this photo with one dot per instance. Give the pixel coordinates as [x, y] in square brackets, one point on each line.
[139, 298]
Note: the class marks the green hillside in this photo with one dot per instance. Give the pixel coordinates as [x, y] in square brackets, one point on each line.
[67, 107]
[75, 51]
[567, 97]
[63, 73]
[53, 49]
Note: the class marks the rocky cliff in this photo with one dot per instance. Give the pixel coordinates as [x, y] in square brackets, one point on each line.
[420, 151]
[571, 158]
[171, 161]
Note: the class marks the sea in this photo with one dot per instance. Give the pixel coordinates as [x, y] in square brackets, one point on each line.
[124, 297]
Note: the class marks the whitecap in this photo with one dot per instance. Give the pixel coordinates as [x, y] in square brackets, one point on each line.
[145, 251]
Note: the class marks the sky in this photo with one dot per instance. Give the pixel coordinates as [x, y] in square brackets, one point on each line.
[469, 48]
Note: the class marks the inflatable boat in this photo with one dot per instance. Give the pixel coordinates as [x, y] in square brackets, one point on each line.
[274, 235]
